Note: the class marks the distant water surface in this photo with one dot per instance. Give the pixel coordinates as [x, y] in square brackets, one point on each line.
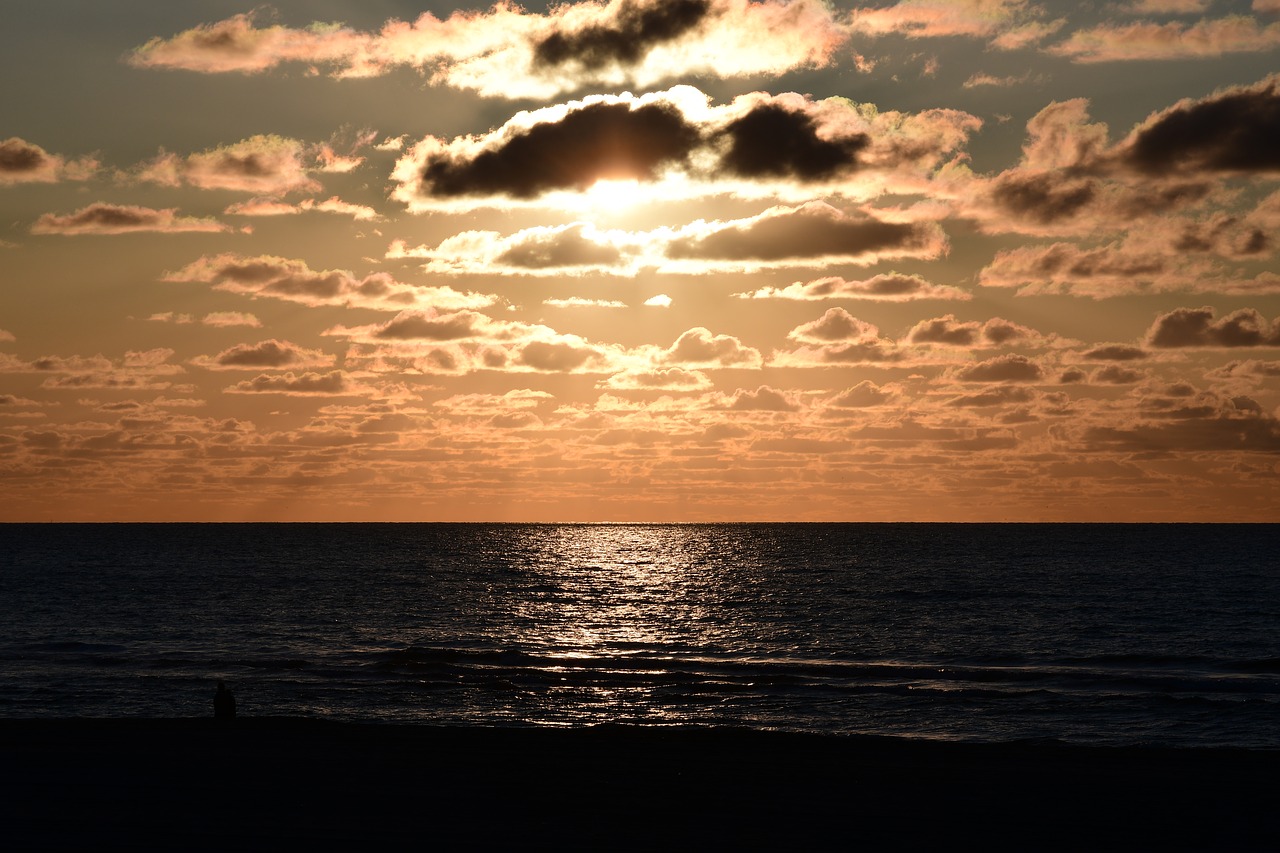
[1102, 634]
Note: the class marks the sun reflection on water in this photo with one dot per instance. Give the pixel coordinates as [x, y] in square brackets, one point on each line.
[614, 589]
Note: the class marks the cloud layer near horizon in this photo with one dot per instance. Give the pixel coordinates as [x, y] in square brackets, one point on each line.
[629, 259]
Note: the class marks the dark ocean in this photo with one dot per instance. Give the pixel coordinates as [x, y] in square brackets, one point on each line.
[1094, 634]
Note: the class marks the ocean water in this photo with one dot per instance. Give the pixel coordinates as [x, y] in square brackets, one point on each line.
[1098, 634]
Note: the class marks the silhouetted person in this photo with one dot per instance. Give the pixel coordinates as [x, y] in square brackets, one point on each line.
[224, 703]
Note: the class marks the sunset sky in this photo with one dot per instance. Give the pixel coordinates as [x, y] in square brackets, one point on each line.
[695, 260]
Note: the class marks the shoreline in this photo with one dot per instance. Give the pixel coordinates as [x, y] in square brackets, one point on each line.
[293, 782]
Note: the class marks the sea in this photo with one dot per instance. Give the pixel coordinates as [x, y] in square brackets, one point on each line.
[1101, 634]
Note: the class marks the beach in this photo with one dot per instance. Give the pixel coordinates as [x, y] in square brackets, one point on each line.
[275, 783]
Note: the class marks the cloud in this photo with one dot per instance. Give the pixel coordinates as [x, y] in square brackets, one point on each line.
[575, 248]
[510, 53]
[1002, 368]
[580, 302]
[171, 317]
[979, 79]
[1232, 131]
[1115, 352]
[886, 287]
[775, 141]
[763, 399]
[866, 394]
[635, 29]
[293, 281]
[1071, 181]
[138, 369]
[699, 347]
[272, 207]
[1148, 41]
[950, 332]
[1196, 327]
[835, 326]
[602, 138]
[675, 145]
[659, 379]
[814, 234]
[1227, 428]
[566, 355]
[1115, 374]
[272, 353]
[223, 319]
[1165, 7]
[333, 384]
[798, 235]
[1247, 369]
[103, 218]
[263, 164]
[1098, 272]
[6, 336]
[661, 300]
[431, 325]
[25, 162]
[1009, 24]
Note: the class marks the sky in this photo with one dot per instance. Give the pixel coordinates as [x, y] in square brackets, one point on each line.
[694, 260]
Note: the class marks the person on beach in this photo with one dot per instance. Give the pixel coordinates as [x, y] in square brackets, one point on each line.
[224, 703]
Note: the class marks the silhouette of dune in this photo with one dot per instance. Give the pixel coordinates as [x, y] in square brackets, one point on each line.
[285, 782]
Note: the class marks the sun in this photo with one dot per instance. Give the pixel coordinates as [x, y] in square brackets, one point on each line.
[612, 194]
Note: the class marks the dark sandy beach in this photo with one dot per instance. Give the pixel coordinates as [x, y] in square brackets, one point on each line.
[273, 783]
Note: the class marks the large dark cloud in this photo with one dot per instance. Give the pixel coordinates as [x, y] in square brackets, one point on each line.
[601, 140]
[637, 28]
[1196, 327]
[813, 230]
[776, 142]
[1233, 131]
[1044, 197]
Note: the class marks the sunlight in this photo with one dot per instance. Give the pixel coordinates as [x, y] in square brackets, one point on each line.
[611, 194]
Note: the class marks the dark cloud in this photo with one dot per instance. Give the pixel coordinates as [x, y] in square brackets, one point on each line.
[1250, 369]
[1116, 352]
[103, 218]
[636, 29]
[19, 158]
[944, 330]
[558, 356]
[1244, 431]
[1224, 235]
[776, 142]
[813, 230]
[1232, 131]
[561, 248]
[613, 141]
[1196, 327]
[270, 353]
[1114, 374]
[1003, 368]
[1045, 197]
[426, 325]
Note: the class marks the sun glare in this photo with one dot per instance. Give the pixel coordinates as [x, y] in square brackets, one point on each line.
[615, 194]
